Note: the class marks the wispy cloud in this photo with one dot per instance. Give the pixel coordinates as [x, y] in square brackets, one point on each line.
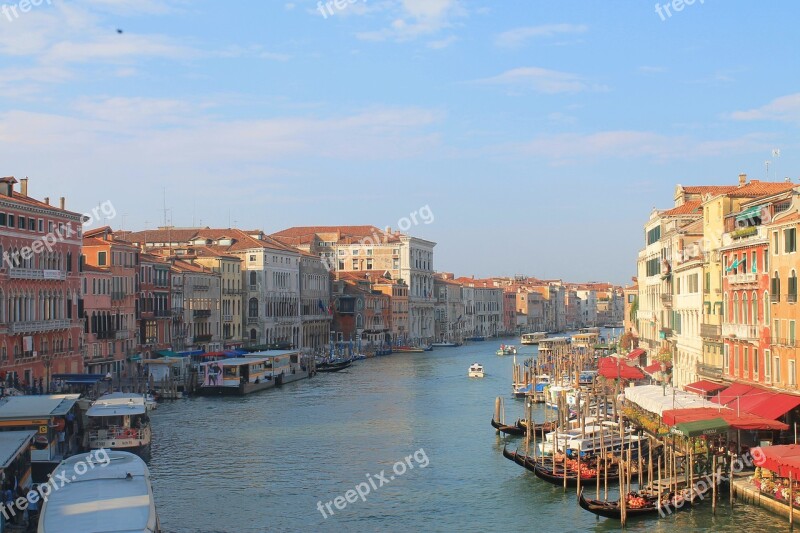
[517, 37]
[783, 109]
[416, 18]
[631, 144]
[542, 80]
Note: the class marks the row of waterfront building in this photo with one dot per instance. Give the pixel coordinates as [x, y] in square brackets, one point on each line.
[96, 301]
[716, 290]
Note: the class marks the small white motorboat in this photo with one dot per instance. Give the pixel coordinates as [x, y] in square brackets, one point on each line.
[476, 371]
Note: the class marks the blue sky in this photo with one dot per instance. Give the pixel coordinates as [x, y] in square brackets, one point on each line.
[540, 134]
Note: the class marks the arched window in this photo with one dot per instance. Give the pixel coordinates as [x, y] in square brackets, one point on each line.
[359, 321]
[754, 303]
[252, 307]
[253, 335]
[735, 308]
[775, 288]
[745, 309]
[766, 308]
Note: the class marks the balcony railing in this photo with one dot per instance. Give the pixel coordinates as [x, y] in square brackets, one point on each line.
[774, 298]
[39, 326]
[790, 343]
[666, 299]
[163, 313]
[203, 338]
[738, 279]
[201, 287]
[227, 318]
[710, 331]
[201, 313]
[709, 371]
[121, 334]
[740, 331]
[33, 273]
[252, 320]
[233, 291]
[253, 287]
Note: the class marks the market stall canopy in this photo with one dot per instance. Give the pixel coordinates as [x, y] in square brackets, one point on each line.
[731, 393]
[711, 426]
[744, 421]
[636, 354]
[777, 406]
[783, 459]
[656, 367]
[613, 368]
[655, 399]
[704, 387]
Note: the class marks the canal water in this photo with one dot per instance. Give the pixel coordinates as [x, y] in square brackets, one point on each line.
[263, 462]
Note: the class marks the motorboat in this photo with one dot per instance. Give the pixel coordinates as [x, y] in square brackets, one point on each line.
[476, 371]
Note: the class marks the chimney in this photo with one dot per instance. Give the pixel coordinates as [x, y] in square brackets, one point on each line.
[61, 202]
[23, 186]
[7, 186]
[742, 179]
[47, 200]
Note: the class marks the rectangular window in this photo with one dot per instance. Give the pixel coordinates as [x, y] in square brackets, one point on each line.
[654, 235]
[792, 373]
[101, 258]
[754, 262]
[746, 360]
[776, 369]
[791, 333]
[775, 243]
[11, 220]
[765, 266]
[789, 240]
[2, 219]
[677, 285]
[31, 224]
[776, 331]
[726, 363]
[355, 264]
[369, 251]
[707, 287]
[395, 263]
[736, 360]
[369, 264]
[767, 366]
[755, 362]
[41, 226]
[50, 226]
[21, 222]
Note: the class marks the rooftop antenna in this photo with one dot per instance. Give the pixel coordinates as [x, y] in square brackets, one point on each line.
[766, 165]
[165, 206]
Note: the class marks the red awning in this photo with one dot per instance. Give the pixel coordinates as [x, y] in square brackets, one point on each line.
[613, 367]
[751, 400]
[783, 458]
[731, 393]
[744, 421]
[655, 367]
[635, 354]
[778, 405]
[703, 387]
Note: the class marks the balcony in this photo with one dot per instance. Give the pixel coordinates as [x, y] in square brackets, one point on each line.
[789, 343]
[710, 331]
[105, 335]
[709, 371]
[233, 291]
[201, 313]
[666, 300]
[39, 326]
[742, 279]
[253, 288]
[118, 295]
[26, 273]
[203, 338]
[163, 313]
[121, 334]
[740, 331]
[199, 287]
[742, 235]
[227, 318]
[252, 320]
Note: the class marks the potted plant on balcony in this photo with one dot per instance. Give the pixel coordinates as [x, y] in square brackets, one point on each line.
[664, 356]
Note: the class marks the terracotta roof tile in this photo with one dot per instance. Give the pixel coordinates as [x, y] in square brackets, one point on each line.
[689, 208]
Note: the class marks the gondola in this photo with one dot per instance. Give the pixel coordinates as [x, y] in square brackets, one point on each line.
[517, 430]
[556, 477]
[333, 367]
[539, 429]
[652, 507]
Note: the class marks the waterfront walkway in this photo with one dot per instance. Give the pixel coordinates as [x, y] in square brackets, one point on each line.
[745, 492]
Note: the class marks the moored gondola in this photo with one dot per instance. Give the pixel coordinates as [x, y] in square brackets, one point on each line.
[333, 367]
[642, 504]
[517, 430]
[556, 477]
